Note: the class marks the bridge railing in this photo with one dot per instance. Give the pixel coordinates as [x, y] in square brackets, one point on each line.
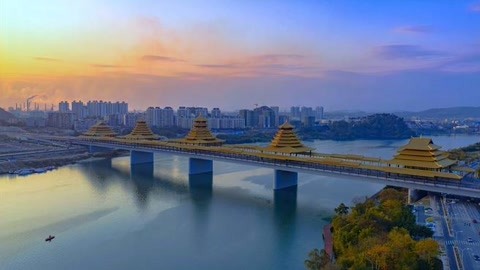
[213, 152]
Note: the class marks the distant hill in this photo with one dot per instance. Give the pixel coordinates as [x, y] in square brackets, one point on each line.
[343, 114]
[442, 113]
[5, 116]
[436, 113]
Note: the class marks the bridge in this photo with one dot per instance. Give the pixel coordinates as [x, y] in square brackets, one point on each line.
[419, 165]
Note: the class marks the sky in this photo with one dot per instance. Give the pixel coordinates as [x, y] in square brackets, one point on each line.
[343, 55]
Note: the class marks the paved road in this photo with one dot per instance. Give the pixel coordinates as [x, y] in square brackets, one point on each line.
[449, 241]
[465, 232]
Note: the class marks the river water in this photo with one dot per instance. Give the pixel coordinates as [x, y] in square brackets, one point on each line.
[106, 216]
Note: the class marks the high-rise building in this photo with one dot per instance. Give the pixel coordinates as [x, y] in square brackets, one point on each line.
[247, 116]
[196, 111]
[158, 117]
[295, 112]
[60, 120]
[131, 119]
[182, 112]
[216, 113]
[63, 106]
[306, 112]
[319, 112]
[167, 117]
[264, 117]
[114, 120]
[226, 122]
[150, 116]
[103, 108]
[275, 109]
[308, 121]
[79, 110]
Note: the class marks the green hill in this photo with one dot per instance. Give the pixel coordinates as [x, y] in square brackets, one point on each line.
[442, 113]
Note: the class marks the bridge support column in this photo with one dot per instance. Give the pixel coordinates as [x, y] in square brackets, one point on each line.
[198, 166]
[284, 179]
[139, 157]
[415, 195]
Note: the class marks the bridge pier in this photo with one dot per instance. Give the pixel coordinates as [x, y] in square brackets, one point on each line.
[284, 179]
[415, 195]
[199, 166]
[139, 157]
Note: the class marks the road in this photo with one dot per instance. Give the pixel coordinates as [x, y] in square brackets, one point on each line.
[465, 233]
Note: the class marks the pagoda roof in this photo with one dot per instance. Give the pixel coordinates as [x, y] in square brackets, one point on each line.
[420, 144]
[141, 132]
[422, 153]
[286, 141]
[100, 130]
[200, 134]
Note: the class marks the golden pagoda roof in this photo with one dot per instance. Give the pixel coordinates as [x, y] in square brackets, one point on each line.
[100, 130]
[422, 153]
[142, 132]
[200, 134]
[286, 141]
[421, 144]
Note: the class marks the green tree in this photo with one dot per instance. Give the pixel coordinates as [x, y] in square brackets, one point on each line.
[427, 250]
[391, 194]
[317, 260]
[402, 245]
[378, 257]
[342, 209]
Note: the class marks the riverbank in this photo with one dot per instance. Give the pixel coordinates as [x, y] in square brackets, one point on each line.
[55, 161]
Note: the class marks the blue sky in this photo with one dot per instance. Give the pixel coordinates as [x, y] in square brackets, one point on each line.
[367, 55]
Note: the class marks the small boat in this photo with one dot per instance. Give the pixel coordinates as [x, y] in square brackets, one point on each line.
[50, 238]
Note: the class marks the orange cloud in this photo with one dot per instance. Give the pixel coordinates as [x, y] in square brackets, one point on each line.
[150, 53]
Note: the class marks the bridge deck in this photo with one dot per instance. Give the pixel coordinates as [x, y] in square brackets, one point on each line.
[373, 170]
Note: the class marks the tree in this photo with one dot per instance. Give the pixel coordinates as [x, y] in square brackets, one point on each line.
[421, 232]
[401, 244]
[378, 256]
[427, 250]
[391, 194]
[317, 260]
[342, 209]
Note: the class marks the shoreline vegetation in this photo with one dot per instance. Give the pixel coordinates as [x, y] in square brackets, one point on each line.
[379, 233]
[373, 127]
[468, 153]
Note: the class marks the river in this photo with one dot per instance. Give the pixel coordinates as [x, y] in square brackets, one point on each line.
[105, 216]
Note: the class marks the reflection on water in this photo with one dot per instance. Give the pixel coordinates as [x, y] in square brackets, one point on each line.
[107, 214]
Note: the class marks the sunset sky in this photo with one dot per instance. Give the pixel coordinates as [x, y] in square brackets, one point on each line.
[356, 55]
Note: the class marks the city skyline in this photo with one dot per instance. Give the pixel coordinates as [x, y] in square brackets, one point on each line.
[345, 55]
